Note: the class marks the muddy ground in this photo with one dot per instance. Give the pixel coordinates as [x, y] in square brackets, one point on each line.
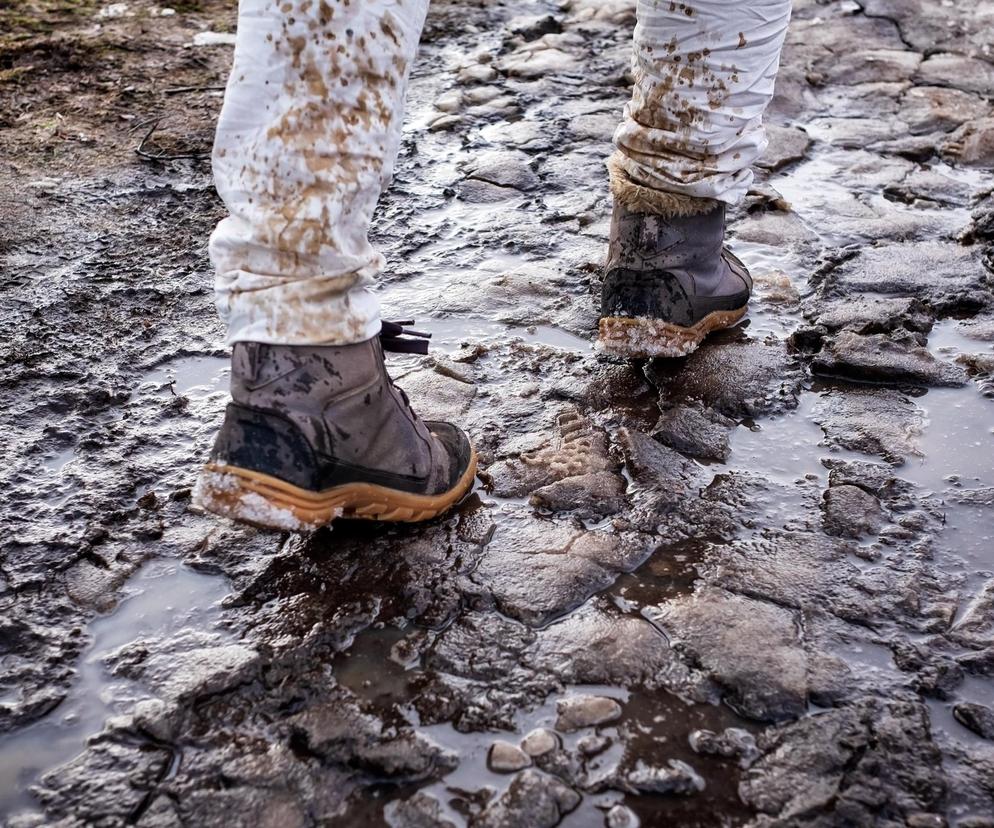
[750, 587]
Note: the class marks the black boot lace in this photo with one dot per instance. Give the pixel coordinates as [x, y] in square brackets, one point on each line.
[392, 338]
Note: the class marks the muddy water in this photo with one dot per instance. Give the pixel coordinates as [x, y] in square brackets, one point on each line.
[161, 599]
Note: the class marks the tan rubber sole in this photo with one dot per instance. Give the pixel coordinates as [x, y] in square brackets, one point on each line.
[270, 503]
[644, 338]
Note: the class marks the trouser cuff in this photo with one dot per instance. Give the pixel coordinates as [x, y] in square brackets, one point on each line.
[641, 199]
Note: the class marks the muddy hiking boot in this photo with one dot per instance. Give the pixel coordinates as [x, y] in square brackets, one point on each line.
[314, 433]
[668, 283]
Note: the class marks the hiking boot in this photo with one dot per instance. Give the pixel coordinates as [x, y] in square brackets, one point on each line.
[668, 283]
[318, 432]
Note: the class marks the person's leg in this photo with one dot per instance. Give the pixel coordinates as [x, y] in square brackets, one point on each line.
[306, 143]
[704, 75]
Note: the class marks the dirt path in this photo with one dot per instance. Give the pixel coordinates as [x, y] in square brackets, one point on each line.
[755, 586]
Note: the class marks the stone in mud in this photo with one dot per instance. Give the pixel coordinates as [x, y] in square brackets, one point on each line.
[202, 672]
[777, 229]
[608, 12]
[787, 145]
[621, 816]
[875, 478]
[536, 570]
[249, 805]
[936, 109]
[934, 675]
[879, 358]
[477, 191]
[698, 432]
[929, 188]
[534, 26]
[539, 742]
[595, 126]
[958, 71]
[538, 60]
[589, 496]
[752, 649]
[439, 397]
[93, 586]
[157, 718]
[855, 133]
[873, 421]
[947, 276]
[977, 717]
[596, 646]
[593, 744]
[812, 572]
[851, 512]
[104, 784]
[871, 761]
[419, 811]
[976, 626]
[972, 144]
[504, 168]
[444, 123]
[481, 646]
[504, 757]
[341, 734]
[679, 778]
[534, 799]
[451, 101]
[868, 66]
[731, 743]
[662, 477]
[775, 288]
[743, 378]
[874, 315]
[578, 712]
[579, 449]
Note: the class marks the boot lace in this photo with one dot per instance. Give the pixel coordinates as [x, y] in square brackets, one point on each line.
[392, 338]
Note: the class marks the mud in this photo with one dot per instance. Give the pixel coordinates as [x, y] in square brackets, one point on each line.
[774, 556]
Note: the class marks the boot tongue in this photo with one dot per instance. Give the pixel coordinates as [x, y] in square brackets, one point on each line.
[392, 338]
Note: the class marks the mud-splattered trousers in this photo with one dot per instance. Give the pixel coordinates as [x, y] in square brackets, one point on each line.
[311, 122]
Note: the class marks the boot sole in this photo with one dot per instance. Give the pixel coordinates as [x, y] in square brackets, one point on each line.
[645, 338]
[270, 503]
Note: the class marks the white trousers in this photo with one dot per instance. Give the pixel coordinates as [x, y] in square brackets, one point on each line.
[310, 129]
[704, 75]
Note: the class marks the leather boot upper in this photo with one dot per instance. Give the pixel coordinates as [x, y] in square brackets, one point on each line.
[671, 268]
[320, 416]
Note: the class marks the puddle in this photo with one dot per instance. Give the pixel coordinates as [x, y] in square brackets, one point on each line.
[450, 334]
[786, 448]
[161, 598]
[193, 376]
[655, 727]
[58, 461]
[670, 571]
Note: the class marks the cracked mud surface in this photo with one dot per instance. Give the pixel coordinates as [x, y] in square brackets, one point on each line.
[750, 587]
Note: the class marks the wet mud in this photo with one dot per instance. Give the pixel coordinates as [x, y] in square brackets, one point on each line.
[754, 586]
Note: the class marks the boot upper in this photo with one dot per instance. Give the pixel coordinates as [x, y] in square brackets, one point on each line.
[674, 269]
[320, 416]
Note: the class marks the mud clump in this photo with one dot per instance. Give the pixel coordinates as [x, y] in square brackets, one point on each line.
[735, 379]
[876, 358]
[851, 512]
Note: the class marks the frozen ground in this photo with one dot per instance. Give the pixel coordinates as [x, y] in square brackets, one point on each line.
[755, 586]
